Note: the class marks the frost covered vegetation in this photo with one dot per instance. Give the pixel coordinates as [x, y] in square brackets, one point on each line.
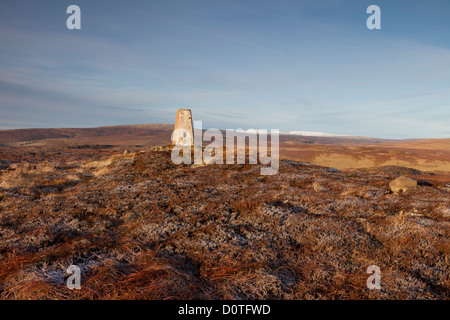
[140, 227]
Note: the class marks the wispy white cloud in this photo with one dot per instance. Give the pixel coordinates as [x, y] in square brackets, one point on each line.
[293, 66]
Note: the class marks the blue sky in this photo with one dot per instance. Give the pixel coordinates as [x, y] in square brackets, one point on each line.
[288, 65]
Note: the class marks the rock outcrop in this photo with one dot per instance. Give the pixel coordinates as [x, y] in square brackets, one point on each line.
[402, 184]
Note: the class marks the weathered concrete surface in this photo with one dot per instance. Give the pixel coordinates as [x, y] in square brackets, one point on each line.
[183, 133]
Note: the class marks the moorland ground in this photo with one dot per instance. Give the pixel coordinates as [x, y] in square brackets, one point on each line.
[140, 227]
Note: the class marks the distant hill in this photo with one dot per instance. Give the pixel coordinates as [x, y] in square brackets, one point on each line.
[140, 134]
[341, 152]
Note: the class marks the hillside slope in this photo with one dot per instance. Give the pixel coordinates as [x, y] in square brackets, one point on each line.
[140, 227]
[340, 152]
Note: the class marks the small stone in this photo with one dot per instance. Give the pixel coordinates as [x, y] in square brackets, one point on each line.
[402, 184]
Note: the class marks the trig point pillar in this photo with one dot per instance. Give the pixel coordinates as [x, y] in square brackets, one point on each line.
[183, 133]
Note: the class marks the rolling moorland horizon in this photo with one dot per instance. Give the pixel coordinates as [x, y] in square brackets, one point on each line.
[246, 129]
[341, 152]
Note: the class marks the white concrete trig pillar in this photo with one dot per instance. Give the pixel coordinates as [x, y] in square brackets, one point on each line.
[183, 132]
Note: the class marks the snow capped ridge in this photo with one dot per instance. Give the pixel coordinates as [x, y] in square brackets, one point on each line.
[315, 134]
[294, 133]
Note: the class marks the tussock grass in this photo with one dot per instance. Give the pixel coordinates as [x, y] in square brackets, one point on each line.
[140, 227]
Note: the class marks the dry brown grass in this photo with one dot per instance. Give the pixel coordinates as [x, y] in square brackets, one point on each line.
[140, 227]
